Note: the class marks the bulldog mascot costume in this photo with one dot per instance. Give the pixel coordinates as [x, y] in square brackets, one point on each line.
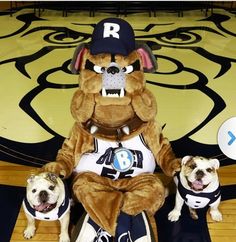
[115, 143]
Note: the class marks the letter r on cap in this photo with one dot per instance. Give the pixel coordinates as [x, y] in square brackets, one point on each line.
[111, 29]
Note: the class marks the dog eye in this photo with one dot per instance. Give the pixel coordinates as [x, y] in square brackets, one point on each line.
[209, 170]
[98, 69]
[193, 166]
[51, 188]
[128, 69]
[34, 191]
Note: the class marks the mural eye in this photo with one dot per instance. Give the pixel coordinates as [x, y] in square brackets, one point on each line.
[98, 69]
[34, 191]
[128, 69]
[51, 188]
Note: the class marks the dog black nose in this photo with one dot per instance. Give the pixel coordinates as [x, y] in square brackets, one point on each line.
[113, 70]
[199, 174]
[43, 195]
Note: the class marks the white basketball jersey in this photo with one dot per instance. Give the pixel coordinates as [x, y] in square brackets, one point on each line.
[118, 160]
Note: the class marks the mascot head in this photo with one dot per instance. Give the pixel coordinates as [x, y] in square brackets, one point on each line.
[111, 69]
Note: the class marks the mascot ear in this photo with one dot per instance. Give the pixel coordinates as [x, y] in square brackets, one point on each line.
[148, 59]
[77, 58]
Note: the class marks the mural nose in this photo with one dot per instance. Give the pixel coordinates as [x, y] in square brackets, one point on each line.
[113, 70]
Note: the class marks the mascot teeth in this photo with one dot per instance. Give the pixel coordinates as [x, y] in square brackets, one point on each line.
[104, 93]
[113, 92]
[122, 92]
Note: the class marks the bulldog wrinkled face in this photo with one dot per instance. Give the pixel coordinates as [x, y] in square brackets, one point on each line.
[42, 193]
[115, 75]
[199, 171]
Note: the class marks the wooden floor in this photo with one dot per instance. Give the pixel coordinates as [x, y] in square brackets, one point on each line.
[11, 174]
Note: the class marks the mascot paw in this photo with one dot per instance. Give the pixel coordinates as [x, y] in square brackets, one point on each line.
[175, 167]
[56, 168]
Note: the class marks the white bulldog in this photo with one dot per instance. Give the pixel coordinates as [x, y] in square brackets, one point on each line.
[197, 186]
[46, 199]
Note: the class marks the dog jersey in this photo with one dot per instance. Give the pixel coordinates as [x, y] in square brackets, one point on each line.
[118, 160]
[55, 214]
[197, 200]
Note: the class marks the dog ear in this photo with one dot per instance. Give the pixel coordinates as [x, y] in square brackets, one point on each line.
[31, 179]
[52, 177]
[149, 61]
[77, 58]
[215, 163]
[186, 158]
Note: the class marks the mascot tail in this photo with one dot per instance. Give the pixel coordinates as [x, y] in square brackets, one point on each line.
[129, 229]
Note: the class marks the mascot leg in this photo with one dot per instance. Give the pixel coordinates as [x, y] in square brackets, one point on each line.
[144, 193]
[134, 228]
[100, 200]
[129, 229]
[112, 204]
[86, 230]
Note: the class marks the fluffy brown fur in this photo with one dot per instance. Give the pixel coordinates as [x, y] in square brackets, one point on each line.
[104, 198]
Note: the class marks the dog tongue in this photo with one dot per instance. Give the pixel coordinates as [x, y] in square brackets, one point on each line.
[197, 185]
[41, 207]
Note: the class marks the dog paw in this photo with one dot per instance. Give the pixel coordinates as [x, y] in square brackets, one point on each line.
[216, 215]
[29, 232]
[64, 238]
[174, 215]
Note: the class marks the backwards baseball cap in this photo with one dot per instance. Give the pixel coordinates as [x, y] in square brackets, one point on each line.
[114, 36]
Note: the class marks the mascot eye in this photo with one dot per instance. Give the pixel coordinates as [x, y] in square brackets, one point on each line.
[128, 69]
[34, 191]
[51, 188]
[98, 69]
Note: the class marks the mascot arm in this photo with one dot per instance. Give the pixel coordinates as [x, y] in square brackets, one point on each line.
[143, 193]
[162, 150]
[68, 156]
[144, 105]
[82, 106]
